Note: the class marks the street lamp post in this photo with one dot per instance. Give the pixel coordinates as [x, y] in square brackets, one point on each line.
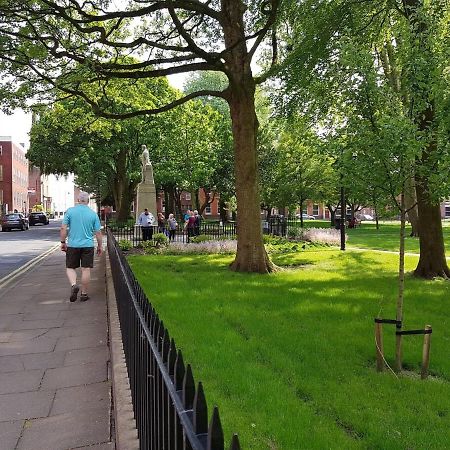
[343, 214]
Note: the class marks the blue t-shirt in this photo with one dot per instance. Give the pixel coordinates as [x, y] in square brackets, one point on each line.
[82, 223]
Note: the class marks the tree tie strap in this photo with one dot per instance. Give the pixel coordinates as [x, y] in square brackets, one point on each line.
[402, 333]
[397, 323]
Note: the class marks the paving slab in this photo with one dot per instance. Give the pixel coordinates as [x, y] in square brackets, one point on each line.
[81, 398]
[90, 329]
[105, 446]
[41, 315]
[26, 405]
[24, 381]
[66, 431]
[76, 342]
[35, 324]
[38, 345]
[5, 336]
[26, 335]
[10, 433]
[85, 320]
[74, 375]
[48, 360]
[11, 364]
[87, 355]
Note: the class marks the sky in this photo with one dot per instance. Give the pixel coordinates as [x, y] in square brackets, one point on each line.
[17, 126]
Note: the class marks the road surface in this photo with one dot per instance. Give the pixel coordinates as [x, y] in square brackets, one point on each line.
[18, 247]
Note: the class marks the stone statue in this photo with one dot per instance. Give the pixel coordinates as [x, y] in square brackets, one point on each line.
[145, 157]
[147, 169]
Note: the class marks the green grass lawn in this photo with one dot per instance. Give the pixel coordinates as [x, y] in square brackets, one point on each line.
[289, 357]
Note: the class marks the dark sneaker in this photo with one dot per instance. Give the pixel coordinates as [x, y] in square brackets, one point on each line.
[74, 293]
[84, 297]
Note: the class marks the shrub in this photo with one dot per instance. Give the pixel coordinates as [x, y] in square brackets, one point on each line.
[295, 233]
[205, 247]
[125, 245]
[328, 236]
[160, 240]
[198, 239]
[115, 225]
[275, 240]
[156, 245]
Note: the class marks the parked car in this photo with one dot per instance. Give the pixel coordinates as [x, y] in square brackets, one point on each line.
[38, 217]
[14, 220]
[305, 216]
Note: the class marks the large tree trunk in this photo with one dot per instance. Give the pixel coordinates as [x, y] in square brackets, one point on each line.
[411, 207]
[123, 213]
[223, 210]
[432, 260]
[251, 255]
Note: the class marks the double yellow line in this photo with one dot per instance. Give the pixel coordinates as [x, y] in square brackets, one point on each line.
[27, 266]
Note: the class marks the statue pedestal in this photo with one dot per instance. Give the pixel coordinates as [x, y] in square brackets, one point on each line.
[146, 195]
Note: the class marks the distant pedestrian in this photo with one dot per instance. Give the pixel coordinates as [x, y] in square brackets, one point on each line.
[198, 222]
[161, 223]
[79, 225]
[172, 225]
[146, 220]
[190, 226]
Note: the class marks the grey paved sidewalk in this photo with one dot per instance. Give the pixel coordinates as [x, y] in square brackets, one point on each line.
[55, 389]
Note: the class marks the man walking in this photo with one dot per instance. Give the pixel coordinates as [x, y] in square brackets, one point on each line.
[80, 223]
[146, 222]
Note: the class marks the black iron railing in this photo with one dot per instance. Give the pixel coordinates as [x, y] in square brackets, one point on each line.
[276, 226]
[170, 411]
[213, 230]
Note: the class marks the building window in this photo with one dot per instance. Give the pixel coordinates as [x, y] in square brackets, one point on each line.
[315, 210]
[208, 209]
[187, 196]
[447, 210]
[1, 196]
[1, 150]
[1, 172]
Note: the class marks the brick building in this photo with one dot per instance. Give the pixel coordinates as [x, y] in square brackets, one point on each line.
[13, 176]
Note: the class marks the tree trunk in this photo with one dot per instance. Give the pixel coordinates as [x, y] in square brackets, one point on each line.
[128, 192]
[177, 201]
[301, 212]
[432, 262]
[166, 204]
[401, 283]
[411, 207]
[377, 223]
[251, 255]
[332, 215]
[223, 210]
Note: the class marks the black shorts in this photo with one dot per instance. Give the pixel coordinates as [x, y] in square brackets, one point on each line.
[75, 256]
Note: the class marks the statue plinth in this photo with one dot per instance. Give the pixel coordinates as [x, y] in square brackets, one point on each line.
[146, 193]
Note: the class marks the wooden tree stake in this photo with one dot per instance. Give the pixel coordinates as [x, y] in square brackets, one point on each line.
[379, 346]
[426, 353]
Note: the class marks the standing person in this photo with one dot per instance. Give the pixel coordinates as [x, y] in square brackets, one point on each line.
[171, 221]
[190, 226]
[80, 223]
[146, 222]
[161, 223]
[198, 221]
